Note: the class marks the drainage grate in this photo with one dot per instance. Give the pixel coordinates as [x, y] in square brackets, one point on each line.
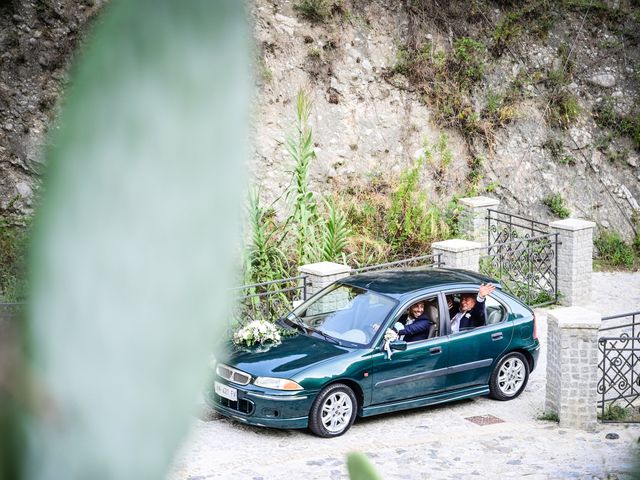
[485, 420]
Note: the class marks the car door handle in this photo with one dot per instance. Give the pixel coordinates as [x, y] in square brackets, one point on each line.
[435, 350]
[496, 336]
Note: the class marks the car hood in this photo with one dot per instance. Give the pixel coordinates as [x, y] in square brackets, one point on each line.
[284, 359]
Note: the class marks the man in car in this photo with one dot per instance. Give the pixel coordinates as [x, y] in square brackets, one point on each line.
[471, 314]
[417, 325]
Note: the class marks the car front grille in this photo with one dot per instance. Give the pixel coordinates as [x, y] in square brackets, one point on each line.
[243, 406]
[232, 375]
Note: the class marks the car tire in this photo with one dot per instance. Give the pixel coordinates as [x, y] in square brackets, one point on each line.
[333, 411]
[509, 377]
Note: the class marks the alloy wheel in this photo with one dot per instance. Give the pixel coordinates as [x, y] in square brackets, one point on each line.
[337, 410]
[511, 376]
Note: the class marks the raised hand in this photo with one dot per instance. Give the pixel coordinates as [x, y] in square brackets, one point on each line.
[486, 289]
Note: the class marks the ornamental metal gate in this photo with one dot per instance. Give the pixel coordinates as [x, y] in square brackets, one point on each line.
[619, 369]
[522, 253]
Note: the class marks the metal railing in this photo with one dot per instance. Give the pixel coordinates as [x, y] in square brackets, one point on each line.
[526, 267]
[434, 260]
[619, 368]
[503, 227]
[266, 300]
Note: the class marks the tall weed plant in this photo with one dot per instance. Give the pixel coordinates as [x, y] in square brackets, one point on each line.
[304, 211]
[265, 256]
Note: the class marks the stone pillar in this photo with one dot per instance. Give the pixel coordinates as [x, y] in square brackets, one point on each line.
[574, 260]
[458, 254]
[473, 218]
[572, 366]
[321, 274]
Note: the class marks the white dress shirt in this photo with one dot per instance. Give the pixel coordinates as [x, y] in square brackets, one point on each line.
[455, 321]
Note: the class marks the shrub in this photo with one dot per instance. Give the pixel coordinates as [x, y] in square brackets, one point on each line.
[557, 205]
[563, 109]
[555, 147]
[548, 417]
[533, 17]
[315, 10]
[14, 237]
[446, 79]
[613, 251]
[614, 413]
[623, 125]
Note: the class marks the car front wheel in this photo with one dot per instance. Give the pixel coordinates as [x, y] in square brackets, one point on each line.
[333, 411]
[509, 377]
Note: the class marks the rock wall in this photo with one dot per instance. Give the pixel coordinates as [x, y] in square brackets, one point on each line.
[37, 42]
[367, 123]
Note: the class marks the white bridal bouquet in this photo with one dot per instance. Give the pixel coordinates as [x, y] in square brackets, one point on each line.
[256, 332]
[389, 336]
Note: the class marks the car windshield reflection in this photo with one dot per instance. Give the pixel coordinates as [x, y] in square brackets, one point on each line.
[345, 313]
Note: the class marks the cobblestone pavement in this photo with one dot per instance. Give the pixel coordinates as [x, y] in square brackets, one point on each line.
[432, 442]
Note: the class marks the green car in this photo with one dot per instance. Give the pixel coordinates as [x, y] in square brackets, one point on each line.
[352, 355]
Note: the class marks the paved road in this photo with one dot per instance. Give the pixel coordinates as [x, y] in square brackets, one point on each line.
[433, 442]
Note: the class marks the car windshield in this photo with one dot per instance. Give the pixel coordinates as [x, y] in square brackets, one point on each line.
[344, 313]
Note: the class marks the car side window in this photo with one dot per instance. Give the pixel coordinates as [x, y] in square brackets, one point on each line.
[420, 321]
[495, 311]
[465, 312]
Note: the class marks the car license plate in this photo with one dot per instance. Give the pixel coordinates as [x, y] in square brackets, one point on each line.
[227, 392]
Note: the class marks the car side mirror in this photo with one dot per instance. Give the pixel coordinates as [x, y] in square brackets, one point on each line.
[399, 345]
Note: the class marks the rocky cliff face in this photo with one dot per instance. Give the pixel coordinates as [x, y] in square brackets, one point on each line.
[570, 71]
[371, 121]
[37, 42]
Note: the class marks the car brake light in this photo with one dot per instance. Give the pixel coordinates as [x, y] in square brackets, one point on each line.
[535, 327]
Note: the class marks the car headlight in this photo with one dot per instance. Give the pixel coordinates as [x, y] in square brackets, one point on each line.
[212, 362]
[277, 383]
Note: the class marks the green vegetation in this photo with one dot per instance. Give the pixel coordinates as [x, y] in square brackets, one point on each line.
[614, 413]
[390, 219]
[614, 252]
[548, 417]
[14, 237]
[563, 109]
[304, 213]
[557, 205]
[317, 10]
[360, 467]
[555, 147]
[446, 79]
[562, 106]
[532, 291]
[475, 176]
[620, 124]
[265, 257]
[534, 17]
[335, 236]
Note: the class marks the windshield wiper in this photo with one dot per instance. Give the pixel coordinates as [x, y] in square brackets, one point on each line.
[297, 321]
[325, 335]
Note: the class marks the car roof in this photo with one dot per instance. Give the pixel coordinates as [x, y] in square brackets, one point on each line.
[400, 282]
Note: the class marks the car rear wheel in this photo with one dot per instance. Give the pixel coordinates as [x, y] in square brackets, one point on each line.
[509, 377]
[333, 411]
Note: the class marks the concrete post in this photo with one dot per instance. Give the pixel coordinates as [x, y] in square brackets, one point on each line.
[458, 253]
[320, 275]
[572, 366]
[473, 218]
[574, 260]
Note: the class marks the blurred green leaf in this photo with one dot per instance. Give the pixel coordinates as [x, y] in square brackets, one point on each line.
[135, 240]
[360, 468]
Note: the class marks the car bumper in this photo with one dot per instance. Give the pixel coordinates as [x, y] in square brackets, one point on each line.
[264, 408]
[535, 353]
